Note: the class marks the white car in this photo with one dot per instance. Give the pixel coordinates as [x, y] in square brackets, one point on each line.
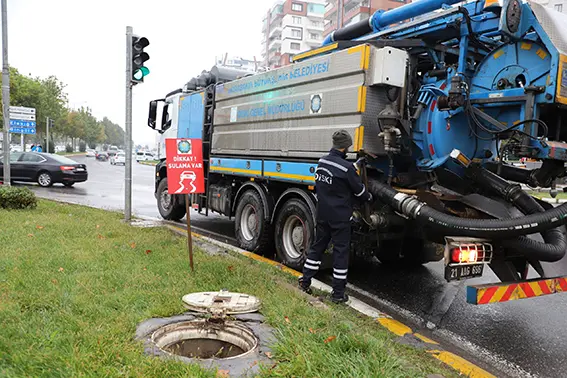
[119, 158]
[144, 156]
[91, 153]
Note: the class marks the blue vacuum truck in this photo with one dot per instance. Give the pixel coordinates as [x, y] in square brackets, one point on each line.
[437, 96]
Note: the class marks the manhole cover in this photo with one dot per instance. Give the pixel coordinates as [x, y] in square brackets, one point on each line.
[229, 303]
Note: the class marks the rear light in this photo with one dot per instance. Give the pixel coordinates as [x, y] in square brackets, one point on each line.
[467, 251]
[66, 168]
[470, 254]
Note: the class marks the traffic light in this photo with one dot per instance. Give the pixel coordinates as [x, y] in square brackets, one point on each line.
[139, 57]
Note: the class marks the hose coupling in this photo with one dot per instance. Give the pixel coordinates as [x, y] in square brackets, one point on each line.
[408, 205]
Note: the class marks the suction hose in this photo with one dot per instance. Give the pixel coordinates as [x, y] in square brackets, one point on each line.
[555, 242]
[487, 228]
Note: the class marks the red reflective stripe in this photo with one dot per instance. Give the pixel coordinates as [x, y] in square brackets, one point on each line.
[431, 150]
[527, 289]
[563, 283]
[544, 287]
[433, 103]
[429, 127]
[443, 86]
[508, 292]
[488, 295]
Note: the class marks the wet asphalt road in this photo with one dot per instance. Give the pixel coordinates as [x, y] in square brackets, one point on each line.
[519, 338]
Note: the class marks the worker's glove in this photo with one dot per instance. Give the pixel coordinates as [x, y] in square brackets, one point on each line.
[370, 198]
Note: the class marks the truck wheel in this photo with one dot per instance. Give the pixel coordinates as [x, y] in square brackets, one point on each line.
[250, 225]
[168, 207]
[294, 232]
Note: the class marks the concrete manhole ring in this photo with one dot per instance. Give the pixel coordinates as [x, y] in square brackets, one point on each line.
[203, 340]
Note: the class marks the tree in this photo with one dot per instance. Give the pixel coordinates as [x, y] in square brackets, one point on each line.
[49, 98]
[114, 133]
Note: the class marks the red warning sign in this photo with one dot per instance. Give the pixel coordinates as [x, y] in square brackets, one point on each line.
[184, 159]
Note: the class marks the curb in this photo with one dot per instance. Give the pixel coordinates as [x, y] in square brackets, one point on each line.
[394, 326]
[145, 163]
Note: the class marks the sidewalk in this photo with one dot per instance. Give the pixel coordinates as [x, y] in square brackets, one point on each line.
[76, 281]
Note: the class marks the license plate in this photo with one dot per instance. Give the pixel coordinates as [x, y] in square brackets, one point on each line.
[460, 272]
[80, 169]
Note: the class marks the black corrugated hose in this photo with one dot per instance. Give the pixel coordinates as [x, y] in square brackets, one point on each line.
[555, 245]
[497, 229]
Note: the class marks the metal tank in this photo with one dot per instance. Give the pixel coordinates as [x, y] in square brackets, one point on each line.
[293, 111]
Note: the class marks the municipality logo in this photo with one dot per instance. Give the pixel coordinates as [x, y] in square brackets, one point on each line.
[184, 147]
[316, 103]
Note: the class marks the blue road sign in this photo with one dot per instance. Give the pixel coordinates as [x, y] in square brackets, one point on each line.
[23, 130]
[22, 123]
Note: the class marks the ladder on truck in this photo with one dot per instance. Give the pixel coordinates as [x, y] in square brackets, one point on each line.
[202, 199]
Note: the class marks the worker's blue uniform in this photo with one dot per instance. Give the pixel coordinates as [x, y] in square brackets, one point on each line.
[337, 186]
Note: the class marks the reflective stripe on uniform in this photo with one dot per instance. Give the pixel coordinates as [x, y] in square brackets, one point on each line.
[312, 267]
[340, 271]
[324, 161]
[313, 262]
[339, 277]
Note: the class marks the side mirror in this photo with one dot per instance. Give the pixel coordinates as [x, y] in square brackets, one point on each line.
[153, 114]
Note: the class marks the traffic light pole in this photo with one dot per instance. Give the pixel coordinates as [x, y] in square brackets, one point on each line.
[6, 93]
[128, 135]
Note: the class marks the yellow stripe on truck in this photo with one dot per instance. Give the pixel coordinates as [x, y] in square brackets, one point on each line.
[561, 91]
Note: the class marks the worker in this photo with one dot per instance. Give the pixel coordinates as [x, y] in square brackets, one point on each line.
[337, 185]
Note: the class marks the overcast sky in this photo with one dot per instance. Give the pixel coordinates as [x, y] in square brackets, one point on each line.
[82, 42]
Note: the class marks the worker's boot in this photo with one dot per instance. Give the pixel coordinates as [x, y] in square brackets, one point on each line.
[336, 298]
[304, 286]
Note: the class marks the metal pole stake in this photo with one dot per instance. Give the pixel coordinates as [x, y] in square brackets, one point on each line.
[128, 135]
[189, 236]
[6, 93]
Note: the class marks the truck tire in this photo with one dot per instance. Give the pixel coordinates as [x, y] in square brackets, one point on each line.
[252, 229]
[168, 207]
[294, 232]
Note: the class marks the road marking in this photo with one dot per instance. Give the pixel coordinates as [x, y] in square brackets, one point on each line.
[399, 329]
[394, 326]
[460, 364]
[425, 339]
[271, 262]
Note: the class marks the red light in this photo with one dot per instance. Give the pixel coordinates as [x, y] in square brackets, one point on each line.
[66, 168]
[467, 254]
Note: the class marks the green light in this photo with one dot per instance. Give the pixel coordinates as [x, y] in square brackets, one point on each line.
[140, 73]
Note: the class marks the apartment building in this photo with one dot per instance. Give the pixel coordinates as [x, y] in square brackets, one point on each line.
[558, 5]
[339, 13]
[290, 27]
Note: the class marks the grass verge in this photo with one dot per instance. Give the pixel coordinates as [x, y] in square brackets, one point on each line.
[542, 195]
[75, 282]
[149, 162]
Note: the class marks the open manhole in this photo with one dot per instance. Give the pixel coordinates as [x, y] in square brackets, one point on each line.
[203, 340]
[213, 337]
